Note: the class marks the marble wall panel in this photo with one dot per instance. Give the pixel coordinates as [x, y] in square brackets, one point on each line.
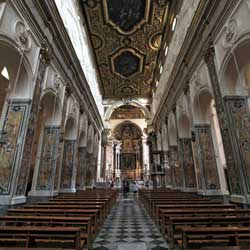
[10, 143]
[198, 164]
[68, 163]
[207, 154]
[238, 110]
[47, 164]
[173, 154]
[81, 168]
[188, 162]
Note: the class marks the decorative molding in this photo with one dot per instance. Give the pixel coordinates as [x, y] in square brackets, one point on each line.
[22, 35]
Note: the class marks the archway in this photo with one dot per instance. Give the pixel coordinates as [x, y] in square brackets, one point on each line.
[206, 144]
[186, 152]
[68, 172]
[235, 85]
[174, 164]
[15, 93]
[44, 150]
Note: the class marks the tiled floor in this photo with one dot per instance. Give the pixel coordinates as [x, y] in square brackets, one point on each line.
[129, 222]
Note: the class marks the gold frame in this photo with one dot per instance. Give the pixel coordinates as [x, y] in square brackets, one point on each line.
[133, 51]
[136, 27]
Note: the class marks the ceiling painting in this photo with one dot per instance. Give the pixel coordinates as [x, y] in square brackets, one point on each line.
[126, 36]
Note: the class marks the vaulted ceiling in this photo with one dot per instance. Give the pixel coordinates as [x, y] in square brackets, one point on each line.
[126, 37]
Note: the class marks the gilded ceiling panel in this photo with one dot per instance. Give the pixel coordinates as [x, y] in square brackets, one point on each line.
[126, 37]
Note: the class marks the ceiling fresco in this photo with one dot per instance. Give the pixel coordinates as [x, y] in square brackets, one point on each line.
[126, 37]
[127, 112]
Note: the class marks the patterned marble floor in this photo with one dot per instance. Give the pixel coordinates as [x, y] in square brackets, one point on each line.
[128, 222]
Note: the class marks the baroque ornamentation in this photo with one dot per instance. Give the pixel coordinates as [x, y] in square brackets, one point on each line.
[230, 33]
[57, 82]
[126, 64]
[23, 36]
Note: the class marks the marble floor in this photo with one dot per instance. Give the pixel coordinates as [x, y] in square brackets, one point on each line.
[128, 222]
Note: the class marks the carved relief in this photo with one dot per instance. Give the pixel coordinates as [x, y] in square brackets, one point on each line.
[230, 33]
[23, 35]
[2, 6]
[57, 82]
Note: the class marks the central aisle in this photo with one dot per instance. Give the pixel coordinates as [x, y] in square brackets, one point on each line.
[128, 222]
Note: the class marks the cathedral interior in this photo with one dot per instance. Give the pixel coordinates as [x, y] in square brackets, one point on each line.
[125, 124]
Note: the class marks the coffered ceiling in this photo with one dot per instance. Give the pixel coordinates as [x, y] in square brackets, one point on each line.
[126, 36]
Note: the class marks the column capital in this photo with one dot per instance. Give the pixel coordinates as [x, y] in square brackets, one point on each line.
[68, 90]
[186, 89]
[209, 52]
[174, 108]
[46, 54]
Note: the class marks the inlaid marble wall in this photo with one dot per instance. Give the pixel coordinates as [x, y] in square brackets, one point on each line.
[10, 149]
[168, 173]
[188, 162]
[81, 168]
[68, 164]
[198, 164]
[173, 153]
[48, 155]
[27, 152]
[240, 116]
[207, 156]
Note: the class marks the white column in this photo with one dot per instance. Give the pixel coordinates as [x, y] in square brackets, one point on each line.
[99, 161]
[145, 153]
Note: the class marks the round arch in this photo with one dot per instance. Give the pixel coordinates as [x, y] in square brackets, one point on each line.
[184, 126]
[126, 122]
[172, 130]
[70, 128]
[202, 106]
[234, 75]
[164, 137]
[117, 104]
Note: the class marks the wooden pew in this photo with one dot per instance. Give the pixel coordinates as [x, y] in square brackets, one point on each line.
[57, 212]
[175, 224]
[163, 208]
[84, 223]
[100, 219]
[197, 237]
[30, 236]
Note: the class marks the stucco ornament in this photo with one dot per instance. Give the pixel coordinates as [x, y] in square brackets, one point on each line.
[2, 5]
[231, 33]
[57, 82]
[23, 35]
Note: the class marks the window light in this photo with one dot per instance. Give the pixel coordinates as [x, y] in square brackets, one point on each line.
[174, 24]
[156, 84]
[161, 68]
[166, 51]
[5, 73]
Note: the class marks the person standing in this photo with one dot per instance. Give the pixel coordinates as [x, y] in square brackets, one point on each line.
[135, 188]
